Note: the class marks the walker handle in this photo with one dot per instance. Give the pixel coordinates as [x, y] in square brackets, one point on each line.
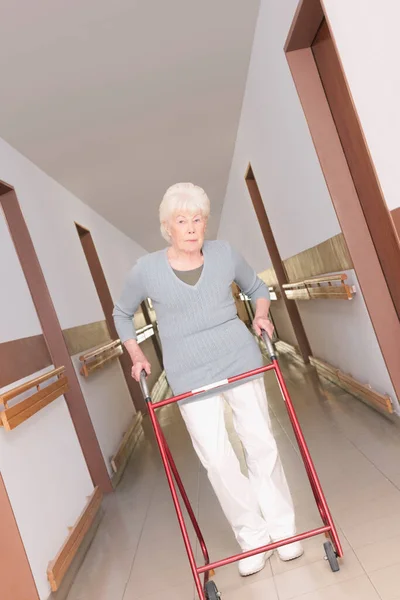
[144, 387]
[268, 342]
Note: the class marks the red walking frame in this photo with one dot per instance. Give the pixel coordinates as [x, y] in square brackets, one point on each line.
[208, 590]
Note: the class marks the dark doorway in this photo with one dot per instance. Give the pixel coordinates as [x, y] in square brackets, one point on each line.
[290, 305]
[107, 305]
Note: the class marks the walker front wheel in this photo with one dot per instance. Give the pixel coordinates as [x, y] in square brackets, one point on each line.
[331, 557]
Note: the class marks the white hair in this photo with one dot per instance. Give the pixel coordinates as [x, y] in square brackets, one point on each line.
[186, 197]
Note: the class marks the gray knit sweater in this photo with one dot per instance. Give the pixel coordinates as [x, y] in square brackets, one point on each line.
[203, 339]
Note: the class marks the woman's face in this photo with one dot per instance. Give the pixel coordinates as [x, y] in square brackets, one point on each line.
[187, 231]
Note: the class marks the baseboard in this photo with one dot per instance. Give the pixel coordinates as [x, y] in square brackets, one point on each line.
[73, 549]
[285, 348]
[90, 518]
[160, 389]
[379, 402]
[126, 447]
[66, 584]
[131, 437]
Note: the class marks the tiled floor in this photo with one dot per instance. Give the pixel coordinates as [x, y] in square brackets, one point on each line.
[138, 554]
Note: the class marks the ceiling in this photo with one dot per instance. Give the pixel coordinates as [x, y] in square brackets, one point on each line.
[118, 100]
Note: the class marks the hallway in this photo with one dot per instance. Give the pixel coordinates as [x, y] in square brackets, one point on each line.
[356, 452]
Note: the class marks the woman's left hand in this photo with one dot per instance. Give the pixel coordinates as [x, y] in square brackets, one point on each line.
[263, 324]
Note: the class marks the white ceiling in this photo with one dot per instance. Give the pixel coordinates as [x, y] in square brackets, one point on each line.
[118, 99]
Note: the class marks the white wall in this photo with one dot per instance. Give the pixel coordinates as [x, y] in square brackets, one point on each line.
[366, 34]
[109, 404]
[18, 316]
[341, 333]
[50, 212]
[41, 461]
[274, 137]
[47, 482]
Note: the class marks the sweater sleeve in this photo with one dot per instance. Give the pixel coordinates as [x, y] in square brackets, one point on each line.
[247, 279]
[132, 296]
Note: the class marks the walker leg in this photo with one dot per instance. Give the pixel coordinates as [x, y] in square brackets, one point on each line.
[308, 463]
[169, 474]
[188, 506]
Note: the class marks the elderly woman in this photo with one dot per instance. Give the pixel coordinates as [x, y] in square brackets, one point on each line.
[203, 342]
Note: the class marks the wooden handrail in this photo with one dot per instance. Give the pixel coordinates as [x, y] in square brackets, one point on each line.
[99, 350]
[144, 329]
[292, 286]
[273, 292]
[144, 333]
[98, 357]
[315, 280]
[326, 279]
[14, 415]
[14, 392]
[311, 289]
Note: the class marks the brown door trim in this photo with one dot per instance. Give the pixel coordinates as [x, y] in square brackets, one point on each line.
[16, 579]
[54, 338]
[368, 268]
[376, 212]
[23, 357]
[280, 272]
[396, 219]
[107, 304]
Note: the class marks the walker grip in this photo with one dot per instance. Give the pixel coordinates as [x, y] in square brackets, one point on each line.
[144, 387]
[268, 342]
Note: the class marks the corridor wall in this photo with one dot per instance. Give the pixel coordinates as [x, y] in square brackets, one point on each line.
[366, 35]
[41, 461]
[273, 136]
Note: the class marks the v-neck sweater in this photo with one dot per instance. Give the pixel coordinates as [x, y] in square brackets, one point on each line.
[203, 340]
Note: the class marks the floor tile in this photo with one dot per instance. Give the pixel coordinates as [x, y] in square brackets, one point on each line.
[374, 557]
[183, 591]
[359, 588]
[257, 590]
[373, 531]
[387, 582]
[315, 576]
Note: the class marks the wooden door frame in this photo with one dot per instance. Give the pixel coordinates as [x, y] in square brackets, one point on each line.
[54, 336]
[277, 263]
[107, 304]
[16, 579]
[382, 311]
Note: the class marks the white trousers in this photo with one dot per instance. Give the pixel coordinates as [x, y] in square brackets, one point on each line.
[259, 508]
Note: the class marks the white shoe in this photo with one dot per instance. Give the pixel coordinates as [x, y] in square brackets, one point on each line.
[253, 564]
[290, 551]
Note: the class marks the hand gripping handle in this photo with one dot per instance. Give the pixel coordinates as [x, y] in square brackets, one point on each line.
[269, 344]
[144, 387]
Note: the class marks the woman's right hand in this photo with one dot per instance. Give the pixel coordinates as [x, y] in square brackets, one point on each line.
[139, 366]
[139, 361]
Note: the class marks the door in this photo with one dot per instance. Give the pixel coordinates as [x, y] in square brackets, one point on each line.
[289, 306]
[349, 173]
[377, 215]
